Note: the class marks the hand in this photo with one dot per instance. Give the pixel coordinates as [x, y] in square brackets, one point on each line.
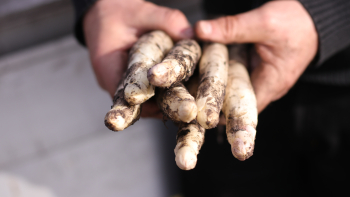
[111, 27]
[285, 38]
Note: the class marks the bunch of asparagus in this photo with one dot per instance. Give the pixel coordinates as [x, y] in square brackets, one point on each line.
[223, 85]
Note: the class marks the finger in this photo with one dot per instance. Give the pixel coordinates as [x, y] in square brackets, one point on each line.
[172, 21]
[242, 28]
[109, 69]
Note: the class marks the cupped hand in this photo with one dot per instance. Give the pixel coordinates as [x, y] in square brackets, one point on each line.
[111, 27]
[285, 39]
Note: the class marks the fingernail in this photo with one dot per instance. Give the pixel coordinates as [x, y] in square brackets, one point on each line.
[205, 27]
[187, 33]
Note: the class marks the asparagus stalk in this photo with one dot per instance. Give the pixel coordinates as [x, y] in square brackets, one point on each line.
[190, 139]
[122, 114]
[177, 103]
[240, 107]
[213, 79]
[178, 65]
[145, 53]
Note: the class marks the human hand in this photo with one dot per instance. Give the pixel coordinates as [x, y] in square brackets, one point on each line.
[285, 39]
[111, 27]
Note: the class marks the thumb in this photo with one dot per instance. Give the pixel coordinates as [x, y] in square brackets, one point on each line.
[241, 28]
[172, 21]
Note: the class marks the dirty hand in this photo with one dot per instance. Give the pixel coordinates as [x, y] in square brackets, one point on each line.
[285, 39]
[111, 27]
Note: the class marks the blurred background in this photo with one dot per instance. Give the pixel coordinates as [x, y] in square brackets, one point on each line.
[53, 142]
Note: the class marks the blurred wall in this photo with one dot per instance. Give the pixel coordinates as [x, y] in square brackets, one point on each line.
[25, 23]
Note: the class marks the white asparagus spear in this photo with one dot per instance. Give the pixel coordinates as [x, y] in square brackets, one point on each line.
[149, 50]
[240, 107]
[213, 79]
[190, 139]
[178, 65]
[177, 103]
[122, 113]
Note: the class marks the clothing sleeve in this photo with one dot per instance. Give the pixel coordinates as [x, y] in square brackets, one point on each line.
[332, 22]
[81, 7]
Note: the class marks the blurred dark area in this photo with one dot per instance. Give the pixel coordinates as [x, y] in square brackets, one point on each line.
[301, 150]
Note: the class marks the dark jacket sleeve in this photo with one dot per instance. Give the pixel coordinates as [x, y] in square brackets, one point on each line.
[332, 22]
[81, 7]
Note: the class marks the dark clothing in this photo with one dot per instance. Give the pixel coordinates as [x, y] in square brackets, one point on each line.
[81, 7]
[302, 139]
[301, 149]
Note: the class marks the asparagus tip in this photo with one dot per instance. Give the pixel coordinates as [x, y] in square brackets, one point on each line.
[158, 74]
[187, 112]
[114, 122]
[186, 159]
[242, 146]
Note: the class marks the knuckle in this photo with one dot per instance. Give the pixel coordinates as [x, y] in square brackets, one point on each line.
[228, 24]
[173, 14]
[268, 21]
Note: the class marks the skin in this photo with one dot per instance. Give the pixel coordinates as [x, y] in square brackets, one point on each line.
[285, 40]
[111, 27]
